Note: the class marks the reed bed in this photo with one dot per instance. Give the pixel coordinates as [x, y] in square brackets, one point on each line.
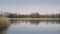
[4, 22]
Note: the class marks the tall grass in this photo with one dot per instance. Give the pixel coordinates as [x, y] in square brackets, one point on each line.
[4, 22]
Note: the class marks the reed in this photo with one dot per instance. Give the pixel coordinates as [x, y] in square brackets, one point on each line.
[4, 22]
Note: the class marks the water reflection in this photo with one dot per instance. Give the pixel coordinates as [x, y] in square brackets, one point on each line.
[3, 30]
[3, 27]
[29, 27]
[36, 22]
[34, 27]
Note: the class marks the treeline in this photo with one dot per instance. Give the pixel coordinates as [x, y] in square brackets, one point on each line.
[33, 15]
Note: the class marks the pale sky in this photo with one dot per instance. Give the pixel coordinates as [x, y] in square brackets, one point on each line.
[30, 6]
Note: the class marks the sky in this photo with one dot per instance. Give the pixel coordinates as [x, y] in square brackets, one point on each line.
[30, 6]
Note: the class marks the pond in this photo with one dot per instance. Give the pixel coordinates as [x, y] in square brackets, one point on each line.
[33, 27]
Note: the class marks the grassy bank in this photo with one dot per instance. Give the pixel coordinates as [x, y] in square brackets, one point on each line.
[34, 18]
[4, 22]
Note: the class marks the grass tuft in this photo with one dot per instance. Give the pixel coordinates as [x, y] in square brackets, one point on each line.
[4, 22]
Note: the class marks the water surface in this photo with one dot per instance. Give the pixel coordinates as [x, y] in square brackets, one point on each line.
[33, 27]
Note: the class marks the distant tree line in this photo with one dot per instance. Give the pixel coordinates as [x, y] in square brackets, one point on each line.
[33, 15]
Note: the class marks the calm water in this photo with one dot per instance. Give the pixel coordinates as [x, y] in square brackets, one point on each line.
[33, 27]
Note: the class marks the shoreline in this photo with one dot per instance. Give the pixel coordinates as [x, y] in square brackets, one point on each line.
[34, 18]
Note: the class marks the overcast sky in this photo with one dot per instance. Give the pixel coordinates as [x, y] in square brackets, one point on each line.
[30, 6]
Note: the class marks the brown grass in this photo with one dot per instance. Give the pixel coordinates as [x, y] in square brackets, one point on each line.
[4, 21]
[34, 18]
